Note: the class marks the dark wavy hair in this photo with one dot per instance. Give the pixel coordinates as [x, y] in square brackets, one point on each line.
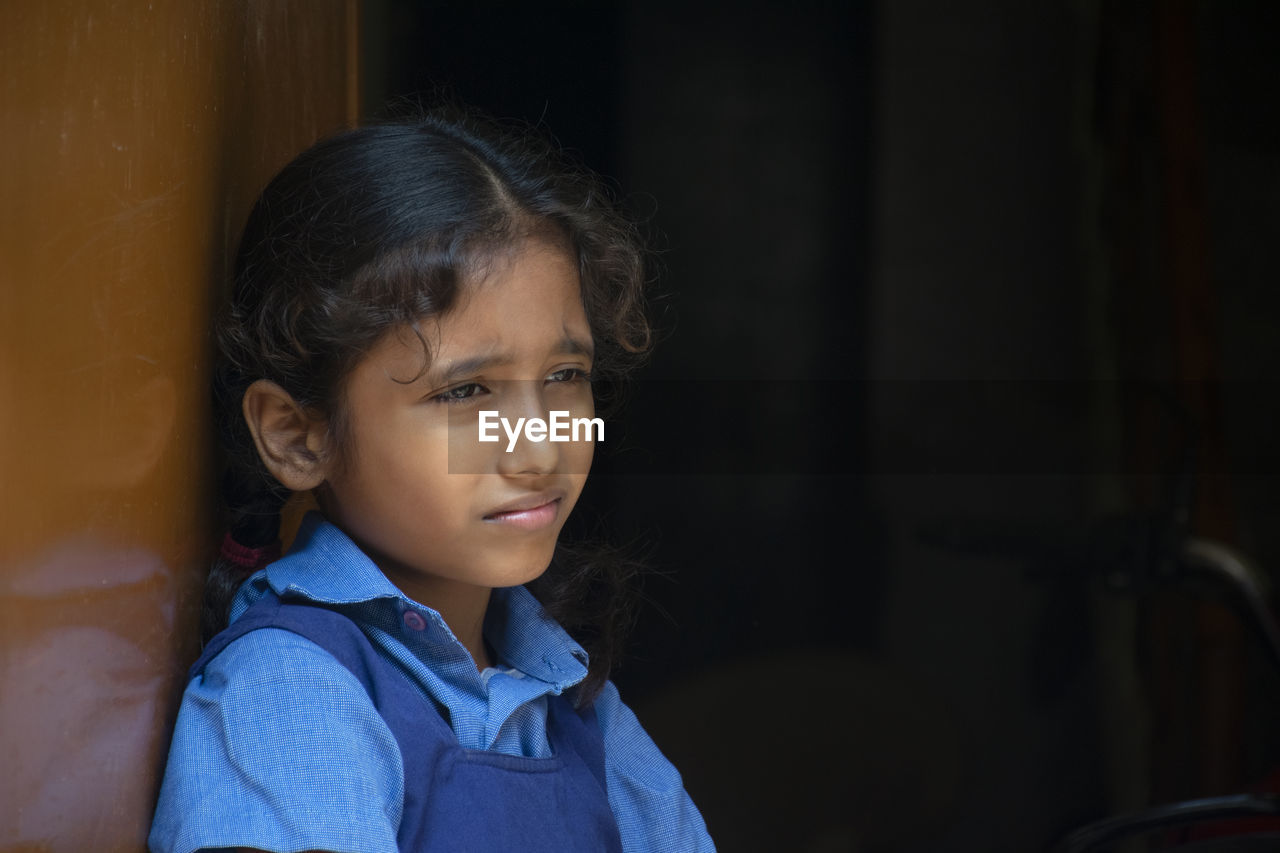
[374, 228]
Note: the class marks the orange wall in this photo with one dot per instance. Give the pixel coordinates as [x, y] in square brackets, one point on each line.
[133, 138]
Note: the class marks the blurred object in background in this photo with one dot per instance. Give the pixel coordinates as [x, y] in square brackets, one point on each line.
[136, 135]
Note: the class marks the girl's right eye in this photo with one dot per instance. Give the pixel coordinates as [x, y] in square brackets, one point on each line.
[461, 393]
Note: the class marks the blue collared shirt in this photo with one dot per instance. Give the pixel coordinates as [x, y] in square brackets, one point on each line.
[279, 747]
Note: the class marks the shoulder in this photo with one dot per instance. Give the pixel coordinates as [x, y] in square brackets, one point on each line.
[272, 682]
[271, 654]
[277, 745]
[628, 747]
[645, 790]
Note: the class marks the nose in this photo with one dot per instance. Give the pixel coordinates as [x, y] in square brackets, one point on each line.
[531, 453]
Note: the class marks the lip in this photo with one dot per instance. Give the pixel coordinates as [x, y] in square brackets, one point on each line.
[530, 512]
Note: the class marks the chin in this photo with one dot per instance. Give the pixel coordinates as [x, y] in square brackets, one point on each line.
[524, 577]
[530, 570]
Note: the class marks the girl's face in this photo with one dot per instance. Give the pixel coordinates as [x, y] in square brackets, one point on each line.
[438, 510]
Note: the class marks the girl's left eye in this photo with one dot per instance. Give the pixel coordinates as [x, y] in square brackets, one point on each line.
[570, 374]
[461, 393]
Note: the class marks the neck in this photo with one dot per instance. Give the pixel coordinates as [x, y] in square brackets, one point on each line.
[466, 620]
[462, 606]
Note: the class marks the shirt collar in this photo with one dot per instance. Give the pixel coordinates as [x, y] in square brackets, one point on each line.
[528, 639]
[324, 566]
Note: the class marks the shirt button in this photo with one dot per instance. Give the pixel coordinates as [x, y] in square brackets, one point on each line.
[413, 619]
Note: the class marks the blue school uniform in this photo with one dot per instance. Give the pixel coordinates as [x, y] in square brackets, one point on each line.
[302, 731]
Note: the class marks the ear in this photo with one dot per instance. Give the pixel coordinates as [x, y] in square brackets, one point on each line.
[290, 440]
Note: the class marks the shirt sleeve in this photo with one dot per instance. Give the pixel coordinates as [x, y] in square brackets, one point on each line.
[645, 791]
[278, 747]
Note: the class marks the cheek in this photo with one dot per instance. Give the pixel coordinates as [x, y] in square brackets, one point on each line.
[392, 464]
[580, 404]
[464, 452]
[579, 455]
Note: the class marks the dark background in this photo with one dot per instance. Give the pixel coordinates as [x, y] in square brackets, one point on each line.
[969, 318]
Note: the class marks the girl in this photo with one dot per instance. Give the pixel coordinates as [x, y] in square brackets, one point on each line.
[399, 680]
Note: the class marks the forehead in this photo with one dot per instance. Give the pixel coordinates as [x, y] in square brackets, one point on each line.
[536, 283]
[525, 305]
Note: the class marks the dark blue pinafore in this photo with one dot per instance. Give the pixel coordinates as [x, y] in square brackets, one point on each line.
[456, 798]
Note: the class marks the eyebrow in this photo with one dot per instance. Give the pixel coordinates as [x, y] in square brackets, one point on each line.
[456, 370]
[570, 345]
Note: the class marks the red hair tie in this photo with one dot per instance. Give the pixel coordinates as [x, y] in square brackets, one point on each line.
[247, 558]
